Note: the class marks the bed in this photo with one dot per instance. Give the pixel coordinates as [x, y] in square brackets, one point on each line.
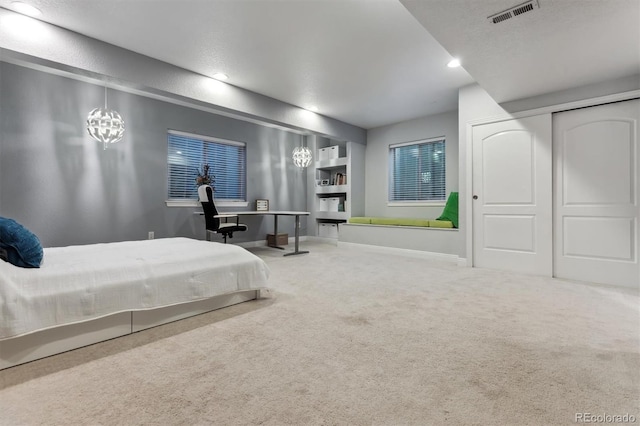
[85, 294]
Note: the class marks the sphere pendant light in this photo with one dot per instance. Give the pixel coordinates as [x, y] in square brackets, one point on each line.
[105, 125]
[302, 156]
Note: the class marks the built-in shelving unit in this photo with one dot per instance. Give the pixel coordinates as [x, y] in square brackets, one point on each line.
[336, 183]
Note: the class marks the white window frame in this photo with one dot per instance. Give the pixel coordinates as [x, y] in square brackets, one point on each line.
[195, 202]
[415, 203]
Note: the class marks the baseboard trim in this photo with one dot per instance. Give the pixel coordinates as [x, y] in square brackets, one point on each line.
[451, 258]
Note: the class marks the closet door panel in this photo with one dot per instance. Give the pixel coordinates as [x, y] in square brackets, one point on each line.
[596, 194]
[512, 195]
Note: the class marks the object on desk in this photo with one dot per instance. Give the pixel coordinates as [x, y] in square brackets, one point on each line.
[282, 240]
[262, 205]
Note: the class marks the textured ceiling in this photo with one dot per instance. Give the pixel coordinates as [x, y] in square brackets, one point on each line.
[365, 62]
[560, 45]
[371, 62]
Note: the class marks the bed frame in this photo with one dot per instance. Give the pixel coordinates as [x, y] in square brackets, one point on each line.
[44, 343]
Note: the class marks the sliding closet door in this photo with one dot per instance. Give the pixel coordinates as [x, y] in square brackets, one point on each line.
[596, 159]
[512, 186]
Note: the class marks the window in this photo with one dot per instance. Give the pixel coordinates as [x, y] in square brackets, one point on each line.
[188, 153]
[417, 171]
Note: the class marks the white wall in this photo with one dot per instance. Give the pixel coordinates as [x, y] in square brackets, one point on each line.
[377, 161]
[619, 85]
[473, 103]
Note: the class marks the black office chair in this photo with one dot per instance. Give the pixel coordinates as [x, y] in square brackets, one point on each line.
[212, 217]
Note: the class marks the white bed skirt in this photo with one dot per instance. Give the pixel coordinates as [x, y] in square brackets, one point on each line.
[44, 343]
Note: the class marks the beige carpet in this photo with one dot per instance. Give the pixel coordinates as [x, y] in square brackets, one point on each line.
[350, 337]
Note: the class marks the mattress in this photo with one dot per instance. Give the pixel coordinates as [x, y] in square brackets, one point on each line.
[81, 283]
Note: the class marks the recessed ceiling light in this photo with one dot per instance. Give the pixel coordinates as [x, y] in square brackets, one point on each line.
[312, 108]
[25, 9]
[220, 76]
[454, 63]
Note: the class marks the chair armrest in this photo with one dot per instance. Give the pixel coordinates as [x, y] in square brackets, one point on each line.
[227, 216]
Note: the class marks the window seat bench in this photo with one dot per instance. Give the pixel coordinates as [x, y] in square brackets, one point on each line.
[402, 221]
[435, 237]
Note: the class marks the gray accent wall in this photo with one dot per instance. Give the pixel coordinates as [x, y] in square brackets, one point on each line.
[63, 186]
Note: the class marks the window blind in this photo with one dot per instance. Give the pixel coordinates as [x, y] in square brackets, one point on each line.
[417, 171]
[187, 155]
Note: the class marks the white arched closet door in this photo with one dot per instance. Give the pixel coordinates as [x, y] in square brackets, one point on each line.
[596, 194]
[512, 195]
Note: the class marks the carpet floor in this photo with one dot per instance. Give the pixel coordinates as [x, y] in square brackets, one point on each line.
[355, 337]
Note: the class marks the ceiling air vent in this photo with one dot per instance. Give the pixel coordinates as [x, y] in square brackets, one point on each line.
[514, 11]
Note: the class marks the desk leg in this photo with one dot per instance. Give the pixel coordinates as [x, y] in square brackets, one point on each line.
[297, 251]
[275, 233]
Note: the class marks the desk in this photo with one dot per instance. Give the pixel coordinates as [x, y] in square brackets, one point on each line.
[275, 214]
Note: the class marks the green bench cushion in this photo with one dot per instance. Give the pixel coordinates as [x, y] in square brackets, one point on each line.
[399, 221]
[366, 220]
[441, 224]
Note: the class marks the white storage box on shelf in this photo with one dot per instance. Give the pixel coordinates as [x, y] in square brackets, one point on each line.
[333, 152]
[328, 230]
[323, 154]
[323, 205]
[330, 153]
[333, 203]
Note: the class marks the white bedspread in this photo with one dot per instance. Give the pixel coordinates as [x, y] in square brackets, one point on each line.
[81, 283]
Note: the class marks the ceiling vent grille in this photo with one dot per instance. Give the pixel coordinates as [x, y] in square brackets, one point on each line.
[514, 11]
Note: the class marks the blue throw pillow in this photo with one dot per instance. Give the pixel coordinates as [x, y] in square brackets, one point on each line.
[18, 245]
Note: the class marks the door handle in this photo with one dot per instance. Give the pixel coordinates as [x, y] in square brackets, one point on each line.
[475, 197]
